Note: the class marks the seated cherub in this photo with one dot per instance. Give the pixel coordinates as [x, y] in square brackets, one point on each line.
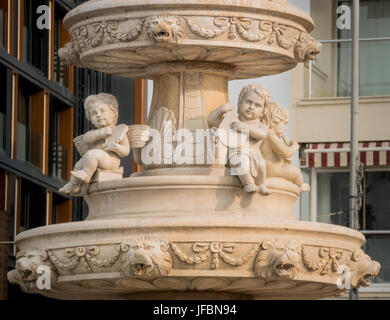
[278, 151]
[101, 148]
[252, 105]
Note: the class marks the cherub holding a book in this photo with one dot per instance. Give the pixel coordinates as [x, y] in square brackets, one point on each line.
[101, 148]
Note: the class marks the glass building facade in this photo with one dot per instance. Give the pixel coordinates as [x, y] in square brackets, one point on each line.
[41, 111]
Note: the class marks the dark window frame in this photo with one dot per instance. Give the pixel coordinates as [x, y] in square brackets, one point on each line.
[29, 22]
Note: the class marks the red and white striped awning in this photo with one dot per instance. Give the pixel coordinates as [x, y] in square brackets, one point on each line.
[337, 155]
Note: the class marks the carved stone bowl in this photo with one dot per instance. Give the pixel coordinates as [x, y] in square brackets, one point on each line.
[253, 39]
[242, 257]
[190, 232]
[189, 254]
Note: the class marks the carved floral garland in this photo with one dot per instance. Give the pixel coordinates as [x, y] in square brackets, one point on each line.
[145, 257]
[218, 250]
[168, 29]
[273, 32]
[324, 259]
[85, 255]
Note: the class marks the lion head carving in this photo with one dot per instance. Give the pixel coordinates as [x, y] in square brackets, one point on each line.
[306, 48]
[164, 28]
[146, 257]
[277, 260]
[68, 55]
[363, 269]
[27, 263]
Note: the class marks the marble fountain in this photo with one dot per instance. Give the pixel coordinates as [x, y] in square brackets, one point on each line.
[191, 225]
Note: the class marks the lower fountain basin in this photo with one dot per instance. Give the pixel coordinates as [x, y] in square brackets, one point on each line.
[190, 255]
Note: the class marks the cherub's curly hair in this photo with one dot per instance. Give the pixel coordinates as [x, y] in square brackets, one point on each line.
[259, 91]
[277, 113]
[107, 99]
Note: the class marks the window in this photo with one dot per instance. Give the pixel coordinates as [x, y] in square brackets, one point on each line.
[304, 200]
[333, 198]
[14, 194]
[375, 219]
[61, 209]
[4, 233]
[377, 246]
[30, 123]
[62, 73]
[61, 136]
[376, 209]
[331, 190]
[3, 107]
[35, 41]
[3, 22]
[32, 206]
[330, 75]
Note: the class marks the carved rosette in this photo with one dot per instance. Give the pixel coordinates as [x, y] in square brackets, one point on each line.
[217, 251]
[324, 260]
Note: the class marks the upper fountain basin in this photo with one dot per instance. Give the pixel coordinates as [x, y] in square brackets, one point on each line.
[255, 38]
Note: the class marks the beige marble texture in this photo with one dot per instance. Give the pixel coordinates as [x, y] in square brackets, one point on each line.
[191, 231]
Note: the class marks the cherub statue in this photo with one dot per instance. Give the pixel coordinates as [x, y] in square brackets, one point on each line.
[253, 103]
[101, 148]
[278, 150]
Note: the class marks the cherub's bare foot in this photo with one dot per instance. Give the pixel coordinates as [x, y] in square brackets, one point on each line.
[264, 190]
[305, 187]
[70, 188]
[251, 188]
[81, 175]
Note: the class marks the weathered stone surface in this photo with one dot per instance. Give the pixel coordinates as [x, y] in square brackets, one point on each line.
[193, 231]
[256, 38]
[243, 255]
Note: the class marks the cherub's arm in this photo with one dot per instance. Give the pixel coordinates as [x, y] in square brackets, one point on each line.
[87, 141]
[216, 116]
[94, 135]
[255, 131]
[285, 151]
[122, 149]
[259, 132]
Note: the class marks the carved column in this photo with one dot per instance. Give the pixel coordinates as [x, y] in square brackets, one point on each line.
[191, 91]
